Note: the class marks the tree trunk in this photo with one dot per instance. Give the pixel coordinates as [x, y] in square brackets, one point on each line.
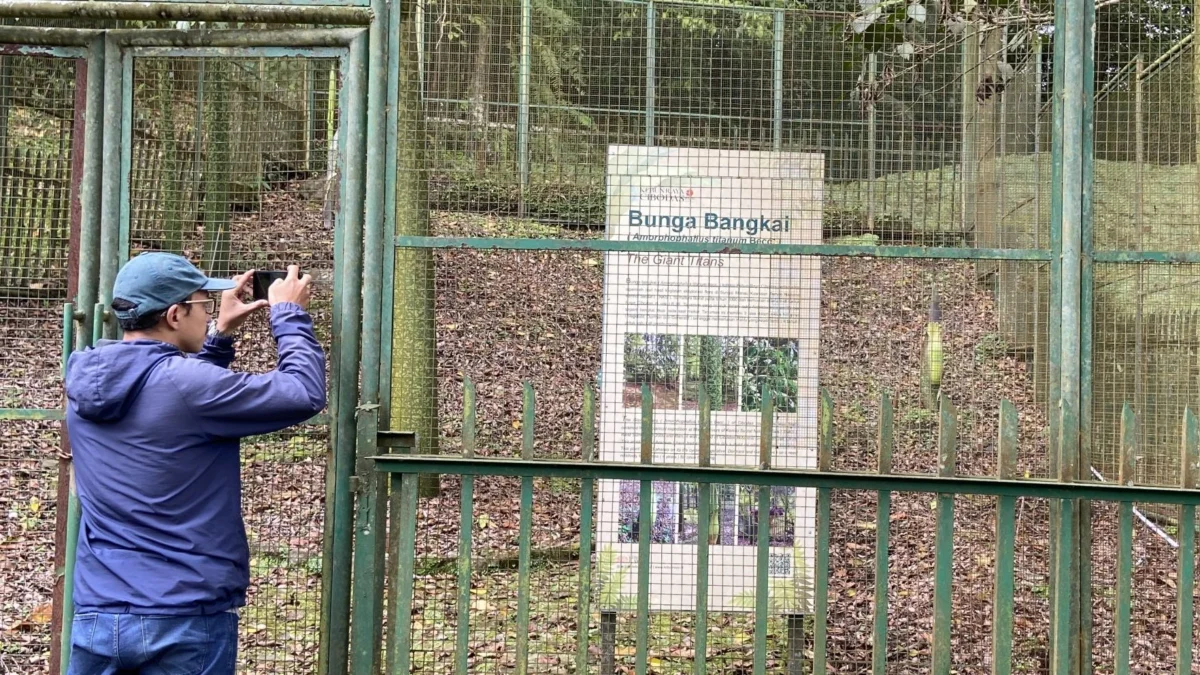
[478, 90]
[710, 370]
[414, 356]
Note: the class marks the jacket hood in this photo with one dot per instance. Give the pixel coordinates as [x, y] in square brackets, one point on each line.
[102, 382]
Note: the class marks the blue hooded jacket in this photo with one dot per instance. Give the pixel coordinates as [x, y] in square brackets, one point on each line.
[155, 440]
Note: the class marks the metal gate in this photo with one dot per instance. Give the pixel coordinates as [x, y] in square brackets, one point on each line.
[441, 169]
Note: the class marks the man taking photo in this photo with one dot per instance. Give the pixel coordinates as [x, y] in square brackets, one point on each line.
[162, 561]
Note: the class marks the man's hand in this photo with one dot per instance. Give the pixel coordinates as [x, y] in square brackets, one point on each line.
[234, 311]
[293, 289]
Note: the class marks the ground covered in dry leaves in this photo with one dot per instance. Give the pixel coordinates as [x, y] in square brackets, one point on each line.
[505, 318]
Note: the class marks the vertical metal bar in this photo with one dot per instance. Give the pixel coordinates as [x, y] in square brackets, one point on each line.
[777, 83]
[369, 545]
[821, 601]
[354, 97]
[944, 554]
[1061, 619]
[1072, 237]
[1006, 542]
[61, 647]
[1124, 601]
[703, 532]
[1056, 291]
[761, 580]
[1083, 572]
[872, 142]
[403, 556]
[1070, 91]
[123, 250]
[374, 242]
[587, 488]
[524, 536]
[110, 198]
[91, 190]
[651, 55]
[367, 606]
[1189, 465]
[391, 138]
[98, 326]
[466, 523]
[73, 514]
[645, 527]
[333, 473]
[883, 518]
[523, 84]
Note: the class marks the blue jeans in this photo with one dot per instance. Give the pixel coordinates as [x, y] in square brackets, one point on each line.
[134, 644]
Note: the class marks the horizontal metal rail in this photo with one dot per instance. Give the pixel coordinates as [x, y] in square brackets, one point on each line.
[1037, 489]
[31, 414]
[28, 37]
[533, 244]
[218, 39]
[313, 13]
[1179, 257]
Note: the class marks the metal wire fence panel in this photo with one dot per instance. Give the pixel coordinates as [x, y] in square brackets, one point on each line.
[519, 353]
[487, 599]
[232, 164]
[1145, 139]
[508, 318]
[40, 136]
[1144, 356]
[505, 318]
[29, 478]
[547, 90]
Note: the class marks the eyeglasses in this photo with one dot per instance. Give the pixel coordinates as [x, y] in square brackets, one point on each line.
[210, 305]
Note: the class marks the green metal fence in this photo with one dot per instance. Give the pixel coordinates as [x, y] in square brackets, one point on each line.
[567, 633]
[1016, 181]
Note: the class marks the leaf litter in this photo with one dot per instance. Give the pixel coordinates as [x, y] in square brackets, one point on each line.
[506, 318]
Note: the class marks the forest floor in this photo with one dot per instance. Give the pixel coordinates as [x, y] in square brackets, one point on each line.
[504, 318]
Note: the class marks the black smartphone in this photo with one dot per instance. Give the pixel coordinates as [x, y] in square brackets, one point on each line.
[263, 281]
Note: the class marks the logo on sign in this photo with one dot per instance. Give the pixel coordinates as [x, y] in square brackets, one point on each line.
[667, 195]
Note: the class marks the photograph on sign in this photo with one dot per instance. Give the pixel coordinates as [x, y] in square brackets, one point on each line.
[728, 325]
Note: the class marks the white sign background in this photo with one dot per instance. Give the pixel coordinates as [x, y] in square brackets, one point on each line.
[720, 196]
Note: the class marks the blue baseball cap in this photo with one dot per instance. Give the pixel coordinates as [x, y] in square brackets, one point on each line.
[155, 281]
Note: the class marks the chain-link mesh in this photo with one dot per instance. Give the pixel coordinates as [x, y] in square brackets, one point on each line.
[231, 165]
[39, 138]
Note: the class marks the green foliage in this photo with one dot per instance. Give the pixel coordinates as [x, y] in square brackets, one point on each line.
[651, 358]
[774, 363]
[612, 582]
[711, 373]
[789, 595]
[990, 346]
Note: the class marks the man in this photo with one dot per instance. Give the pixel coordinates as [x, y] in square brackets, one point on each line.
[155, 420]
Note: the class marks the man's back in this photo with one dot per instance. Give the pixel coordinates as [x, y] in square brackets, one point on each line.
[154, 436]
